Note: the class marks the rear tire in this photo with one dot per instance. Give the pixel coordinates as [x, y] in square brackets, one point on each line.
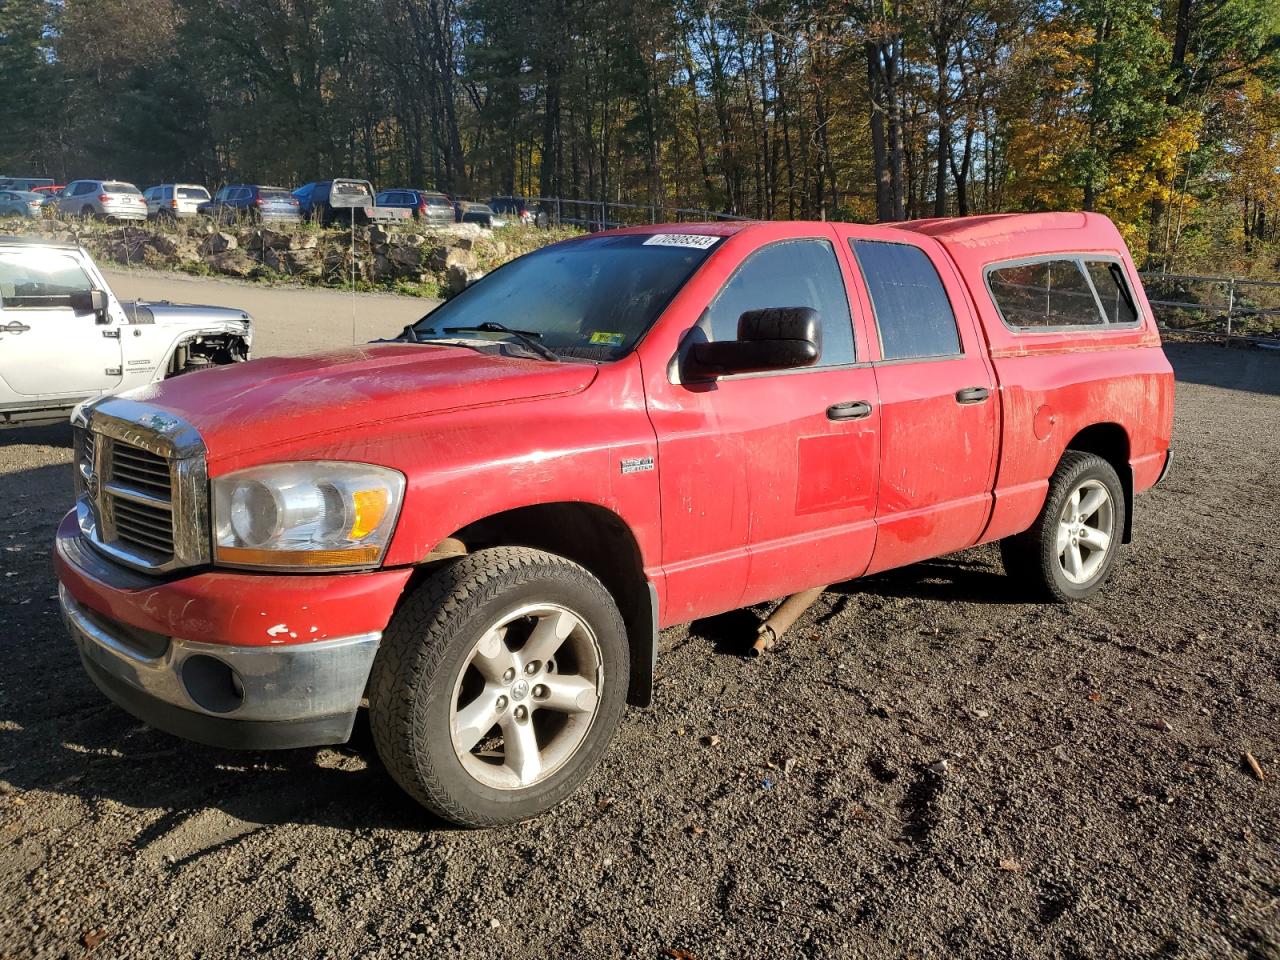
[1071, 548]
[507, 645]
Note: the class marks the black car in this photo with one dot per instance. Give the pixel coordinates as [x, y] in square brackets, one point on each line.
[478, 213]
[513, 209]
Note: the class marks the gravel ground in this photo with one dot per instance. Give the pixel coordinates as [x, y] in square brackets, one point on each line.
[928, 767]
[289, 319]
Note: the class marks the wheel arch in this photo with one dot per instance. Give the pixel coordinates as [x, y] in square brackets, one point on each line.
[1111, 442]
[597, 539]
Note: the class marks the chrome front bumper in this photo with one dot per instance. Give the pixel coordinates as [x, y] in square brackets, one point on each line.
[260, 697]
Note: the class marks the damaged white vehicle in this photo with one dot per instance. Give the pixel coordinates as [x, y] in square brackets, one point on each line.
[64, 337]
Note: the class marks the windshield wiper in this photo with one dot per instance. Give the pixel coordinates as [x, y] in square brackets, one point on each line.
[529, 338]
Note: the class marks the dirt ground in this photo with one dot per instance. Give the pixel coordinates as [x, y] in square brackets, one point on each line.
[929, 767]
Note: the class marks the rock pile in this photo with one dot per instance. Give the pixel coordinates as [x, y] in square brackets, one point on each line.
[447, 258]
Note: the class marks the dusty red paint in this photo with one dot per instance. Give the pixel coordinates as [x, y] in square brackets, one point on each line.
[755, 494]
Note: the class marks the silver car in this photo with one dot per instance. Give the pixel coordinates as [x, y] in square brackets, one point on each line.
[20, 203]
[177, 201]
[110, 199]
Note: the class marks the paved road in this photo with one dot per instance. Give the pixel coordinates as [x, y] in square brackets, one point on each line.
[1093, 803]
[288, 319]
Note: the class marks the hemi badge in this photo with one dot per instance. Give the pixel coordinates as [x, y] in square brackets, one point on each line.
[637, 464]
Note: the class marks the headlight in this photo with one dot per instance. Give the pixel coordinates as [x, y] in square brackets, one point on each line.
[312, 514]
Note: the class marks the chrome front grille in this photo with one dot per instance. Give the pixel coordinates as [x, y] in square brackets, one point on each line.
[143, 525]
[141, 470]
[142, 492]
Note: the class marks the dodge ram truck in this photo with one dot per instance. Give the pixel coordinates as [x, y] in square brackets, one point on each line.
[480, 526]
[65, 337]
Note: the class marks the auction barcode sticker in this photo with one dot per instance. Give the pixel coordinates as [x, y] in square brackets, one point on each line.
[699, 241]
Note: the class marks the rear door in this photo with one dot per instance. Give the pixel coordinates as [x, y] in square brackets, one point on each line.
[47, 349]
[939, 410]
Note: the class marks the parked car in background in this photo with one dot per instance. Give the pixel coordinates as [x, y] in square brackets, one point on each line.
[64, 337]
[330, 202]
[109, 199]
[479, 213]
[424, 205]
[25, 183]
[253, 202]
[513, 209]
[21, 203]
[51, 191]
[175, 201]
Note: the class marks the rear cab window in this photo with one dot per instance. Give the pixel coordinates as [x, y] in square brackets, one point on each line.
[1062, 292]
[350, 188]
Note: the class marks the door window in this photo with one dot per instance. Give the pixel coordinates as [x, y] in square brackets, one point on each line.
[791, 273]
[35, 279]
[912, 310]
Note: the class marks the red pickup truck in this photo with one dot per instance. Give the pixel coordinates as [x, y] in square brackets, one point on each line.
[481, 525]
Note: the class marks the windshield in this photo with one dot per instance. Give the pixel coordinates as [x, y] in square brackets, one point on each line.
[111, 187]
[591, 298]
[193, 193]
[274, 193]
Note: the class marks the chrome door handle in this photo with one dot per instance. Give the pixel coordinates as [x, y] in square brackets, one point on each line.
[853, 410]
[13, 326]
[972, 395]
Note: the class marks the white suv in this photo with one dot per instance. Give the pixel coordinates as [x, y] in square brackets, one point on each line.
[111, 199]
[176, 201]
[64, 337]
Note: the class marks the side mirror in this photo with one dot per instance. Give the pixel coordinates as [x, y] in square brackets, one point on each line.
[778, 338]
[91, 301]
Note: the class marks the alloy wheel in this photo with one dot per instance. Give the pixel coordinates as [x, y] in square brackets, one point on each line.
[526, 696]
[1086, 528]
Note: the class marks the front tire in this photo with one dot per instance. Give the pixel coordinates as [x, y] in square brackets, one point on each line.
[499, 684]
[1069, 551]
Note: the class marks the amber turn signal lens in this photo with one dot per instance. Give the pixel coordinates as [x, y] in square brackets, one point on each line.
[368, 509]
[250, 557]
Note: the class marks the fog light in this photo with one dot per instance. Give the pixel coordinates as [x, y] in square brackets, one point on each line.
[212, 684]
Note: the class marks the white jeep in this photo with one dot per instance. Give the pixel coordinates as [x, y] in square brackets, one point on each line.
[64, 337]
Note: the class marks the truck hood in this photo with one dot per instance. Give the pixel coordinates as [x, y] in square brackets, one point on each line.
[245, 406]
[182, 314]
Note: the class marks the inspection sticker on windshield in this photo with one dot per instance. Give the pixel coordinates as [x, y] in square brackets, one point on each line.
[608, 339]
[698, 241]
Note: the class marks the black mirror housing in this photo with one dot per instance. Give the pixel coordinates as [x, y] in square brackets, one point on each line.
[777, 338]
[91, 301]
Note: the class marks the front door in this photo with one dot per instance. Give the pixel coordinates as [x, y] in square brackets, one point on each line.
[47, 349]
[768, 480]
[938, 402]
